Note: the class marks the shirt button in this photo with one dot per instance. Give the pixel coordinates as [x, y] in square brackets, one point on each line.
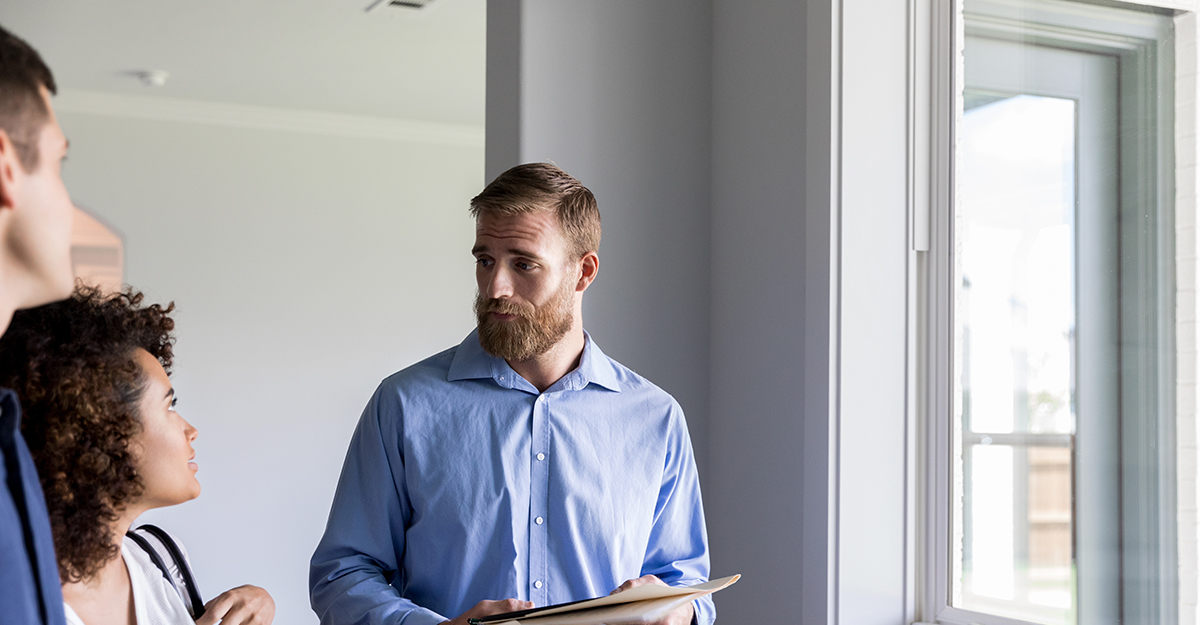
[537, 584]
[539, 520]
[541, 456]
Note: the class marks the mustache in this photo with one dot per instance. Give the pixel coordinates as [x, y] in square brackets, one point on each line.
[502, 306]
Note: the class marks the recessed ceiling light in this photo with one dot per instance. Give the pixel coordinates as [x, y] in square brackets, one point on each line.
[151, 77]
[403, 4]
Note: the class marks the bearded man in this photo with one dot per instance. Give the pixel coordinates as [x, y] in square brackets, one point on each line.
[522, 467]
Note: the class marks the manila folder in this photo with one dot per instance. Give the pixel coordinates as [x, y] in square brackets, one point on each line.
[643, 604]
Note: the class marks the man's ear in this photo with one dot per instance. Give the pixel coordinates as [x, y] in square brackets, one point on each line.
[589, 266]
[10, 170]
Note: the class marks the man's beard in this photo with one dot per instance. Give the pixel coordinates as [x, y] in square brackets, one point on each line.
[534, 330]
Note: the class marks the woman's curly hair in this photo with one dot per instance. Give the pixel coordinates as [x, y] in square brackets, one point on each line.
[72, 365]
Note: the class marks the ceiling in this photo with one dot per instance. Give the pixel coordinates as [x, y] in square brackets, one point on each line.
[316, 55]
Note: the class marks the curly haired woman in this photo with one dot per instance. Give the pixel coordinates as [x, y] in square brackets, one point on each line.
[92, 374]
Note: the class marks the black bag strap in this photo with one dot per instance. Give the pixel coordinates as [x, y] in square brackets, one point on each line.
[189, 581]
[153, 553]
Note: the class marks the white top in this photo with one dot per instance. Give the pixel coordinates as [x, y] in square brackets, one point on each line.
[155, 600]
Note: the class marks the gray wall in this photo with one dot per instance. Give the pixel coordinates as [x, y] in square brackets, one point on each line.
[306, 268]
[790, 142]
[687, 119]
[614, 92]
[769, 498]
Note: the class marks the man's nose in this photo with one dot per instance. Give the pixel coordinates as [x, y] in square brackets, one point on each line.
[499, 283]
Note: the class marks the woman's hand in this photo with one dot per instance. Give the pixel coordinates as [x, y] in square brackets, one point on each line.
[244, 605]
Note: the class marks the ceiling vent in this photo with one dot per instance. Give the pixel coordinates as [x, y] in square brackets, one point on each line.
[384, 5]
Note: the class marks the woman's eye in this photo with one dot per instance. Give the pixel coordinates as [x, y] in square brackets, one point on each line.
[173, 402]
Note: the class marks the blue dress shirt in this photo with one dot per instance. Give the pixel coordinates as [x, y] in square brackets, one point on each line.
[464, 483]
[29, 589]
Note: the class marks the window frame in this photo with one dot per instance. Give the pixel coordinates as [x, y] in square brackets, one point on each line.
[935, 106]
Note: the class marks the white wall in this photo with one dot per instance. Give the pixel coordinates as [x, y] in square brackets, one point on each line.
[306, 266]
[875, 263]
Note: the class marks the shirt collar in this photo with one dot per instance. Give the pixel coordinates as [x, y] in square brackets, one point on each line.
[472, 363]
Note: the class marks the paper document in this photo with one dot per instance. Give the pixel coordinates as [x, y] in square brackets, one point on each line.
[645, 603]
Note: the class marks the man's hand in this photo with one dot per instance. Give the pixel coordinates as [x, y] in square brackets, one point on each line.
[488, 608]
[244, 605]
[680, 616]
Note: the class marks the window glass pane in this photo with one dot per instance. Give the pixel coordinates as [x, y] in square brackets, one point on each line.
[1062, 506]
[1016, 309]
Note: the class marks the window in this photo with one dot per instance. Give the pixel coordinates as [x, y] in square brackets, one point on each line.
[1053, 436]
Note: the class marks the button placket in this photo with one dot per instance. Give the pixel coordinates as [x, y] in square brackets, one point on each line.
[539, 496]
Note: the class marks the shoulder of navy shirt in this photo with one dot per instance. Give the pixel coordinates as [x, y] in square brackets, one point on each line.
[29, 586]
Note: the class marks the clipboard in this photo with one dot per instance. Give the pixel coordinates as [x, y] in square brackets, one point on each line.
[643, 603]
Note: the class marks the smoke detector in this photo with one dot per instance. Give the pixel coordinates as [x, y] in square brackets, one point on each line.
[380, 5]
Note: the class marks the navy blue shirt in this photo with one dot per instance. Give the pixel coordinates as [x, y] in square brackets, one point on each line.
[29, 587]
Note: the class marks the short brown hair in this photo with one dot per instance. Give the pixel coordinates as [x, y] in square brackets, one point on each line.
[537, 187]
[23, 112]
[72, 364]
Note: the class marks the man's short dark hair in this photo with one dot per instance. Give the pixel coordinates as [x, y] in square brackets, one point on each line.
[23, 112]
[542, 187]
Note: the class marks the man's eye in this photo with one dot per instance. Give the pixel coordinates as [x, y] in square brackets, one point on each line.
[174, 401]
[483, 262]
[524, 265]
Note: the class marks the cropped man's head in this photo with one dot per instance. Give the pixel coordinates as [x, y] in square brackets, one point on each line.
[35, 208]
[542, 187]
[23, 109]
